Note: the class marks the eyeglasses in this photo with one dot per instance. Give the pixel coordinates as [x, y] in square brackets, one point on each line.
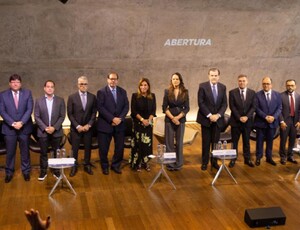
[113, 79]
[266, 83]
[81, 84]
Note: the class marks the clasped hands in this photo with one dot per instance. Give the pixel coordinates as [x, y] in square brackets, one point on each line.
[214, 117]
[116, 121]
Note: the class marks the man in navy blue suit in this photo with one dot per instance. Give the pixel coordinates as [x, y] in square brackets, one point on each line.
[112, 106]
[266, 120]
[212, 102]
[16, 106]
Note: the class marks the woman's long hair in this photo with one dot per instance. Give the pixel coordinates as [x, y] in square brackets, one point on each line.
[148, 93]
[182, 90]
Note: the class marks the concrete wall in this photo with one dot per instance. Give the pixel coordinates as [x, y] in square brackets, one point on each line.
[45, 39]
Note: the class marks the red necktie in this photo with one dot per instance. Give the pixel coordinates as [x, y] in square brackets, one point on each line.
[292, 106]
[16, 99]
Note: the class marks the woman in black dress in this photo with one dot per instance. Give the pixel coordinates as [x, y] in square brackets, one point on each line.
[143, 109]
[175, 105]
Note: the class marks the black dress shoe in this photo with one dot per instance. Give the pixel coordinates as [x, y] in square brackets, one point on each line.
[215, 165]
[105, 171]
[73, 171]
[8, 178]
[283, 162]
[88, 169]
[257, 162]
[116, 170]
[26, 177]
[249, 163]
[270, 161]
[292, 160]
[231, 164]
[203, 167]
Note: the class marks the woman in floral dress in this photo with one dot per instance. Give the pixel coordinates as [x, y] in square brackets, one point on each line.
[143, 109]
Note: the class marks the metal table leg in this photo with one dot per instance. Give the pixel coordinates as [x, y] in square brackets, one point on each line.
[62, 178]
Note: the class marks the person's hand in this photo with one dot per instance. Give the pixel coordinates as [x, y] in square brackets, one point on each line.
[214, 117]
[18, 125]
[50, 129]
[116, 121]
[86, 128]
[283, 125]
[145, 122]
[244, 119]
[176, 121]
[297, 125]
[36, 222]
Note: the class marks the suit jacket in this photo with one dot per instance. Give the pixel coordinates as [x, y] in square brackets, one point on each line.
[262, 109]
[175, 106]
[77, 115]
[285, 113]
[207, 105]
[240, 109]
[57, 117]
[11, 114]
[108, 109]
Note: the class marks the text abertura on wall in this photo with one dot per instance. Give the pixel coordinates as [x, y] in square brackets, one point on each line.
[188, 42]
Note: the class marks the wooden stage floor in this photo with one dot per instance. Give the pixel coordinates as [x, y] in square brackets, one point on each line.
[124, 201]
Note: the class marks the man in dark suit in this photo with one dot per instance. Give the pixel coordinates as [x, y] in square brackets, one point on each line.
[242, 105]
[16, 106]
[112, 106]
[49, 114]
[212, 102]
[289, 121]
[82, 110]
[266, 119]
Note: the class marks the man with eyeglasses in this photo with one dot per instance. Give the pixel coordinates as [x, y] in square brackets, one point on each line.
[16, 106]
[112, 106]
[289, 121]
[266, 120]
[82, 110]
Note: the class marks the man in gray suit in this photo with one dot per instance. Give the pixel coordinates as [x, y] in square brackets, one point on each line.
[289, 121]
[82, 111]
[49, 114]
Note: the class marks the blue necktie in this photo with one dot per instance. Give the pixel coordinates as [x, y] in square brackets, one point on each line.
[114, 94]
[214, 93]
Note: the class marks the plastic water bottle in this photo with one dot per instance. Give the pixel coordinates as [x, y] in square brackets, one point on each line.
[219, 145]
[163, 151]
[158, 150]
[63, 153]
[225, 144]
[58, 153]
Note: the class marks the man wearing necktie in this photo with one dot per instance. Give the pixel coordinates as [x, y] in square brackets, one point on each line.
[212, 102]
[242, 103]
[266, 120]
[289, 121]
[16, 106]
[81, 107]
[112, 106]
[49, 114]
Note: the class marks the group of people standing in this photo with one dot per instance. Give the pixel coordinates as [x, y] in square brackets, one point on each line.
[264, 110]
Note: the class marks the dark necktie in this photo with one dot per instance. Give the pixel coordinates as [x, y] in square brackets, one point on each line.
[242, 96]
[214, 91]
[292, 106]
[268, 99]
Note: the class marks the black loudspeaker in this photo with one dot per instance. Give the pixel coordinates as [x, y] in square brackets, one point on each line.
[63, 1]
[262, 217]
